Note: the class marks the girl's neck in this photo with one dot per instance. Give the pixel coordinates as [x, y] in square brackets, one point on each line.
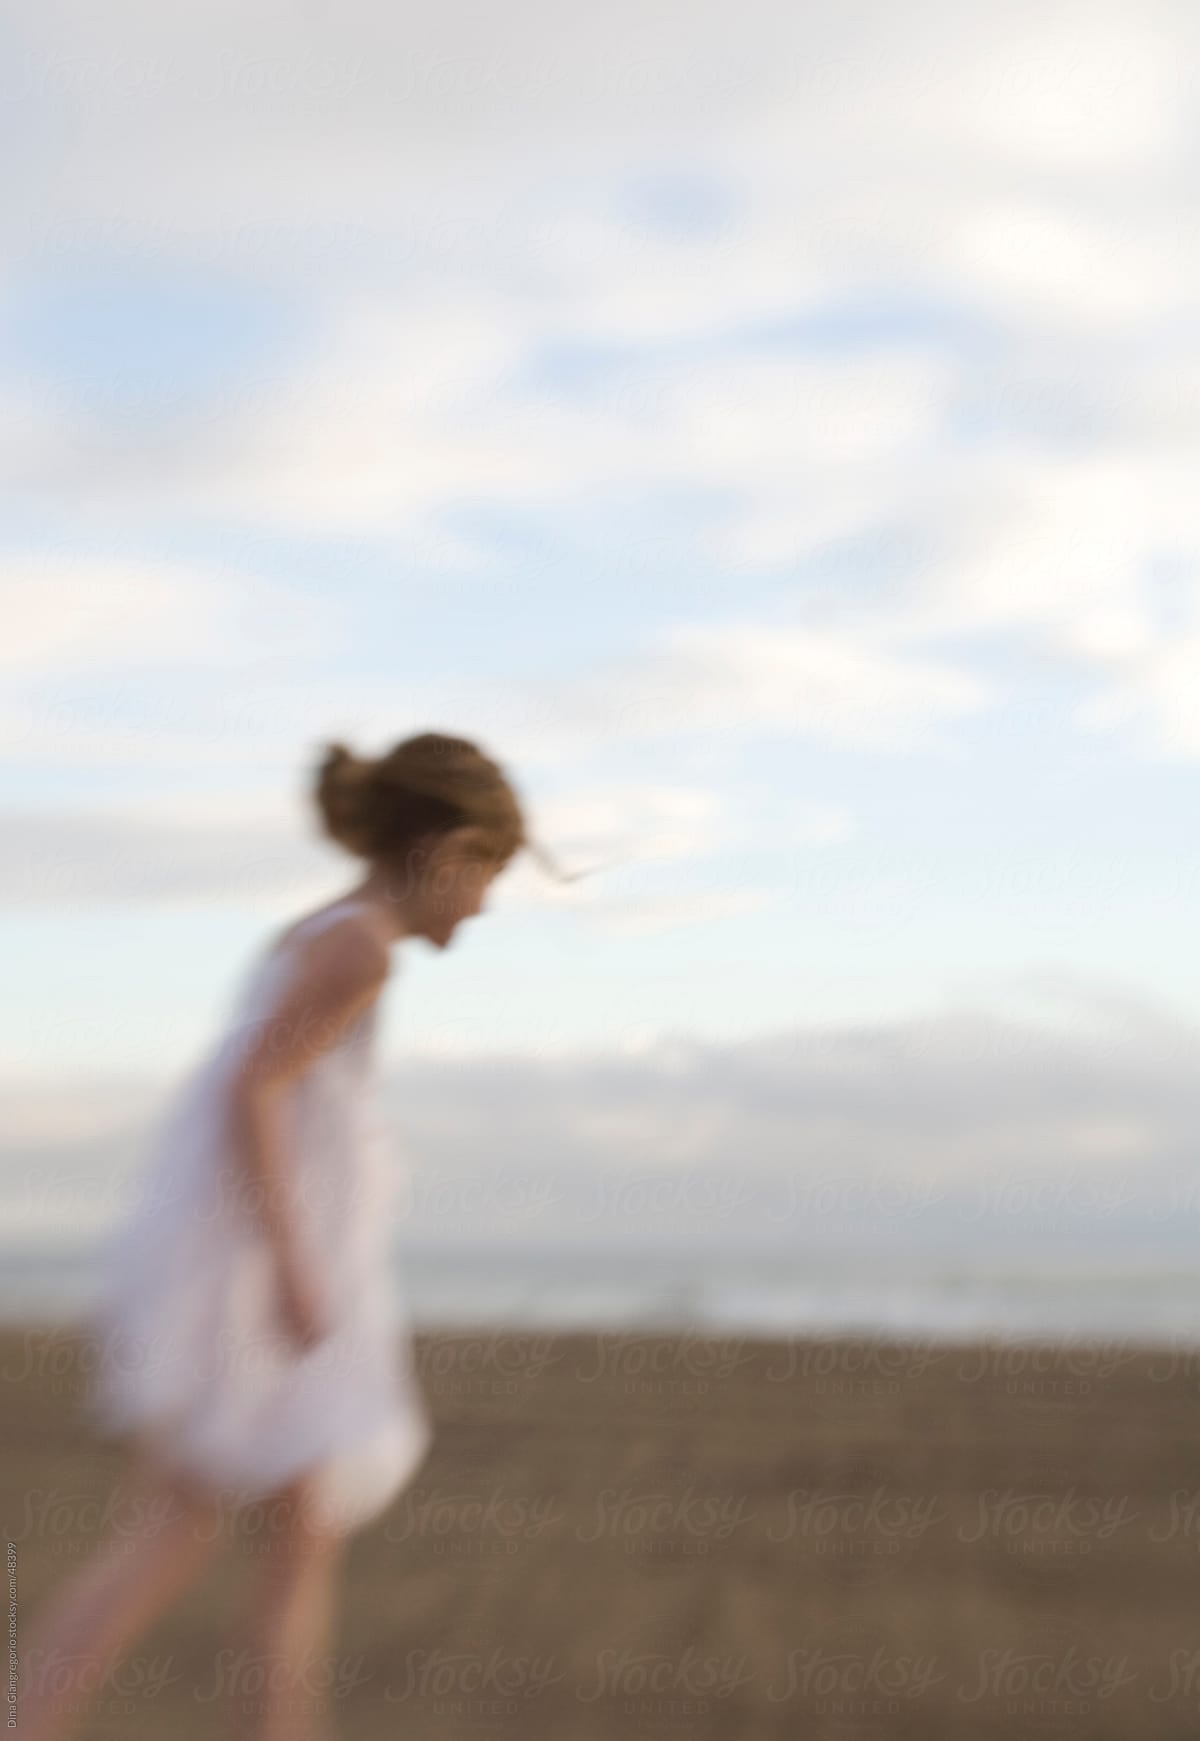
[385, 907]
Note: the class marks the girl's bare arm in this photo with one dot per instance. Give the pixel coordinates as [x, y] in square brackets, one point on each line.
[340, 973]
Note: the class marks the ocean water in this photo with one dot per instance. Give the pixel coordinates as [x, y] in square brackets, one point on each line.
[756, 1294]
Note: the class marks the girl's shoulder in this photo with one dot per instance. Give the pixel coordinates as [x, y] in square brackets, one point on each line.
[311, 923]
[311, 964]
[336, 942]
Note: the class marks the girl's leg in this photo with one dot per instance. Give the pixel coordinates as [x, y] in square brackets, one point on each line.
[288, 1654]
[79, 1634]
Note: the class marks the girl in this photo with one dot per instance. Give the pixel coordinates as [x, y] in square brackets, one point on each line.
[247, 1334]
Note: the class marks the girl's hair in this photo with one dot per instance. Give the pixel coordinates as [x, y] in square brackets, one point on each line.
[378, 806]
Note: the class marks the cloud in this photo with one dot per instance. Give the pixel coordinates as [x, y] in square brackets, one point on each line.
[1060, 266]
[1156, 697]
[1076, 87]
[94, 613]
[119, 659]
[725, 682]
[452, 206]
[138, 661]
[77, 857]
[1049, 544]
[1066, 1120]
[1091, 559]
[646, 820]
[650, 915]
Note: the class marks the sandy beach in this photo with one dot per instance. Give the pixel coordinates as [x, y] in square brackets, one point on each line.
[674, 1536]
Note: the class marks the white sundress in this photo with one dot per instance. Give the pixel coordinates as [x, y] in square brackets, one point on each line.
[190, 1353]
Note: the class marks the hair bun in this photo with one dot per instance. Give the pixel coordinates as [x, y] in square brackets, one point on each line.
[341, 777]
[337, 755]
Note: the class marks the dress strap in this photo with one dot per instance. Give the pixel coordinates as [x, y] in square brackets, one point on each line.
[334, 912]
[280, 957]
[304, 927]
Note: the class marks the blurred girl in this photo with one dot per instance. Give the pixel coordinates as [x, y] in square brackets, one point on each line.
[250, 1345]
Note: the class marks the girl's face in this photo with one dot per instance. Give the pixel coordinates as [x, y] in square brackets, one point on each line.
[455, 889]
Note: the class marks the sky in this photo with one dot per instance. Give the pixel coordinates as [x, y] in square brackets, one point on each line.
[769, 431]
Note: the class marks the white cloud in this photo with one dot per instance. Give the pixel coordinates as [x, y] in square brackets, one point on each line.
[1050, 544]
[621, 283]
[92, 613]
[641, 821]
[118, 660]
[1023, 168]
[969, 1129]
[77, 857]
[1157, 697]
[722, 682]
[771, 420]
[650, 915]
[1058, 266]
[410, 408]
[1093, 559]
[1073, 87]
[821, 825]
[840, 687]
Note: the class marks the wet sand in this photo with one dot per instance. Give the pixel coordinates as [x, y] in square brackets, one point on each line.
[671, 1536]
